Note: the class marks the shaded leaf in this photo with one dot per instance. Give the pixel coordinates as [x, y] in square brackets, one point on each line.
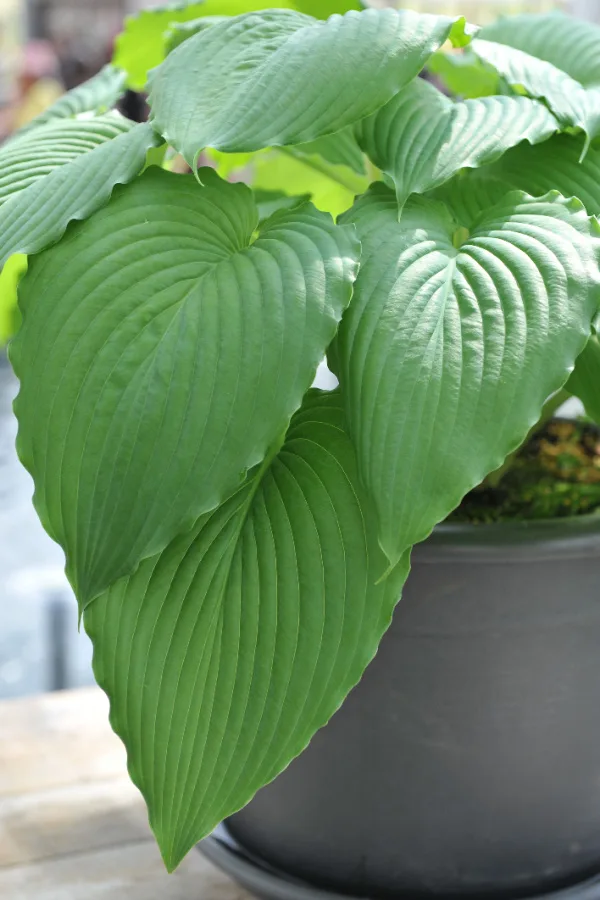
[163, 350]
[281, 78]
[97, 95]
[341, 149]
[38, 215]
[223, 655]
[421, 137]
[585, 380]
[457, 334]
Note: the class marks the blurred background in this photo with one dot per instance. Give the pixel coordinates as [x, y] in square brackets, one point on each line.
[46, 47]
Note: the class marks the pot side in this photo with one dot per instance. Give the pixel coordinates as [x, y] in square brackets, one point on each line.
[467, 760]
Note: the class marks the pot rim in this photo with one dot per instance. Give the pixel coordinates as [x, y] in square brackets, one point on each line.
[568, 537]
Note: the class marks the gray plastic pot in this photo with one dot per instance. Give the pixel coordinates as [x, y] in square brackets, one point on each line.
[467, 761]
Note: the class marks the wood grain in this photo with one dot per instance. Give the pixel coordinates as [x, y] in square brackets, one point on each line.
[72, 826]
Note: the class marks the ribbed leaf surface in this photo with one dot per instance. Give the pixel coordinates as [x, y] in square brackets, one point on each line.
[153, 33]
[421, 138]
[279, 77]
[223, 655]
[39, 214]
[572, 103]
[98, 95]
[162, 352]
[457, 334]
[554, 165]
[568, 43]
[43, 149]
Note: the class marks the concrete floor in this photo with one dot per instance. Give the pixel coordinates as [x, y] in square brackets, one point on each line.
[40, 647]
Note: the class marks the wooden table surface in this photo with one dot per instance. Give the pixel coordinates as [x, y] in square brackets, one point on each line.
[72, 826]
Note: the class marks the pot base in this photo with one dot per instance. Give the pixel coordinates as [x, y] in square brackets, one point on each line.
[268, 883]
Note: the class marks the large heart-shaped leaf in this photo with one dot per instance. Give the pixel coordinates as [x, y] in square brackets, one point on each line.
[43, 149]
[585, 380]
[280, 77]
[458, 332]
[38, 215]
[568, 43]
[557, 165]
[224, 654]
[573, 104]
[98, 95]
[421, 137]
[164, 348]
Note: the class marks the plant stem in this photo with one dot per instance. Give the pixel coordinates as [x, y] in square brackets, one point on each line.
[548, 410]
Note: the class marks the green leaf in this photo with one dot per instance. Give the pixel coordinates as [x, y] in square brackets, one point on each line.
[223, 655]
[178, 32]
[568, 43]
[97, 95]
[464, 74]
[270, 202]
[40, 151]
[281, 78]
[573, 104]
[458, 332]
[421, 138]
[163, 350]
[38, 215]
[291, 171]
[141, 45]
[585, 380]
[341, 149]
[214, 11]
[10, 276]
[553, 165]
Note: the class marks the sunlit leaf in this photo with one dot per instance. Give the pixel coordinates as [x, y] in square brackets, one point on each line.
[38, 215]
[574, 104]
[463, 74]
[43, 149]
[10, 276]
[568, 43]
[554, 165]
[281, 78]
[141, 45]
[459, 330]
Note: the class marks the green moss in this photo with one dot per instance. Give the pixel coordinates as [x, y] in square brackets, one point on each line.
[556, 474]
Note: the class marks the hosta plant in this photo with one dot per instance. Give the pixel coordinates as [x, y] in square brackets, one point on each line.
[237, 539]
